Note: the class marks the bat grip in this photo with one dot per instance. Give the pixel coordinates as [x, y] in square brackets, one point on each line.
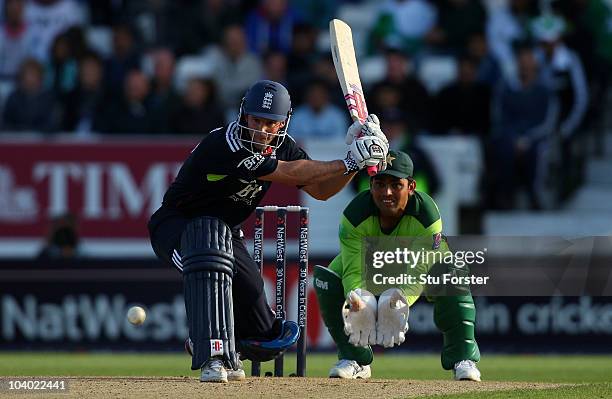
[372, 170]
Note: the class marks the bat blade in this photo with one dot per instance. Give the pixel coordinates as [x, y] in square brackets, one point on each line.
[343, 54]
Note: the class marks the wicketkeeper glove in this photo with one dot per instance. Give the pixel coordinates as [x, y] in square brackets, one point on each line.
[359, 315]
[392, 321]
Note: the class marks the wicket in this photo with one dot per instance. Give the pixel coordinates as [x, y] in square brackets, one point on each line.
[281, 264]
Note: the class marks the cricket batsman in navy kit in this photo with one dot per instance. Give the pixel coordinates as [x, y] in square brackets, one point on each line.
[197, 228]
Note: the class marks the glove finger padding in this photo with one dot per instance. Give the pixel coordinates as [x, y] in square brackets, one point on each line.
[392, 321]
[371, 129]
[359, 315]
[373, 118]
[353, 132]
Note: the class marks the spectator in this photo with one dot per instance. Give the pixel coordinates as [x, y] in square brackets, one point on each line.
[524, 115]
[317, 13]
[270, 26]
[563, 73]
[318, 118]
[414, 98]
[199, 112]
[508, 27]
[125, 57]
[403, 24]
[215, 15]
[164, 98]
[30, 107]
[132, 114]
[49, 18]
[325, 70]
[591, 37]
[79, 47]
[185, 26]
[105, 13]
[458, 20]
[83, 106]
[16, 41]
[62, 240]
[394, 122]
[301, 60]
[236, 67]
[275, 67]
[463, 106]
[384, 98]
[62, 68]
[488, 70]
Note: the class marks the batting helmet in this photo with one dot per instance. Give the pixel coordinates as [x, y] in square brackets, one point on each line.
[269, 100]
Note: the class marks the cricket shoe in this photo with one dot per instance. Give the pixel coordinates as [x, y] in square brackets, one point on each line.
[232, 375]
[238, 374]
[466, 370]
[349, 369]
[213, 371]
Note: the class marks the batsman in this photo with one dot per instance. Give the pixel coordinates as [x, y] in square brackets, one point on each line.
[356, 318]
[197, 229]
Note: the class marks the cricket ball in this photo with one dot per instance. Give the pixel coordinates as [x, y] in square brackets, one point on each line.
[136, 315]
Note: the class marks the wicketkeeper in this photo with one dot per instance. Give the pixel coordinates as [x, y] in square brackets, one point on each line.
[357, 319]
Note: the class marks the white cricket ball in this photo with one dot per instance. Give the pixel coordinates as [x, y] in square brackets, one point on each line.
[136, 315]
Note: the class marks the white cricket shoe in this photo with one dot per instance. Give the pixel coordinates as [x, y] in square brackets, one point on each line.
[213, 371]
[466, 370]
[238, 374]
[232, 375]
[349, 369]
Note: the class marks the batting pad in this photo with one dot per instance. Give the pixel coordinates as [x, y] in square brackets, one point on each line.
[206, 252]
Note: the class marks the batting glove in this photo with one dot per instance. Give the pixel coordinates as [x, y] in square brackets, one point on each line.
[371, 127]
[369, 151]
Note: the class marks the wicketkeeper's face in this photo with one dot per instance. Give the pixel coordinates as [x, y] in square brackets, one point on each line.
[391, 194]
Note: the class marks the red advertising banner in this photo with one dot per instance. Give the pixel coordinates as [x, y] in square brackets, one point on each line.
[112, 186]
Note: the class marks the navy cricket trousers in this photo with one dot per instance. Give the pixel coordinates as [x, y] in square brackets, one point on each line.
[253, 318]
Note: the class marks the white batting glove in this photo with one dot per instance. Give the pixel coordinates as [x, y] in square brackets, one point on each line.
[359, 315]
[392, 321]
[371, 127]
[369, 151]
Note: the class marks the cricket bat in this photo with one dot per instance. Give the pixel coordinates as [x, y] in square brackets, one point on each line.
[343, 53]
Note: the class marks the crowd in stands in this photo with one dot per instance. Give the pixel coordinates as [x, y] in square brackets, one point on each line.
[527, 78]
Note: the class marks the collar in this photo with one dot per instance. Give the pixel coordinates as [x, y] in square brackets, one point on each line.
[412, 207]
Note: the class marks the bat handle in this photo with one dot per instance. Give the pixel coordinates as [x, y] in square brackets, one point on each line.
[372, 170]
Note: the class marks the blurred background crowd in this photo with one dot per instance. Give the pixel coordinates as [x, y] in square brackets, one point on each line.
[527, 79]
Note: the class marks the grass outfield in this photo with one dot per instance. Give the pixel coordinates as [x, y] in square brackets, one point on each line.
[595, 372]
